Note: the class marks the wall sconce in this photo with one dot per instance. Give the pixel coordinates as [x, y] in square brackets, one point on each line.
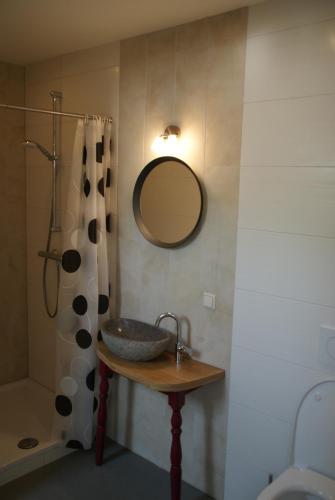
[167, 144]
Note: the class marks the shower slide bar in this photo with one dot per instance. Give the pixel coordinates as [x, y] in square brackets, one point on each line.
[57, 113]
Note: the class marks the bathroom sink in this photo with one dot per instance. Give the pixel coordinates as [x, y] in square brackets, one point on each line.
[134, 340]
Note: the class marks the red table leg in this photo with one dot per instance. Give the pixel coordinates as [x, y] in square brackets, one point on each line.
[102, 413]
[176, 401]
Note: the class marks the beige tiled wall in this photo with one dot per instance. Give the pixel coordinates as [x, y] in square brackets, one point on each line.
[191, 76]
[13, 328]
[89, 82]
[285, 268]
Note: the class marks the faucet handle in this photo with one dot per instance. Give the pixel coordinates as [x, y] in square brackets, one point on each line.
[185, 350]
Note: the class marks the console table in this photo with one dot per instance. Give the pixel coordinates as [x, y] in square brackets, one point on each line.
[163, 375]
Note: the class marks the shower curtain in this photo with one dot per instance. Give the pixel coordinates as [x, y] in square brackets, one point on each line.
[84, 286]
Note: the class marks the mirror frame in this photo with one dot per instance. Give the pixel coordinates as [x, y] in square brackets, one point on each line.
[137, 203]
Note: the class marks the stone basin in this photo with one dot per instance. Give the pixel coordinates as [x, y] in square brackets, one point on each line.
[134, 340]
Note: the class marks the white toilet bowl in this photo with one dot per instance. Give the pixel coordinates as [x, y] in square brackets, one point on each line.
[313, 445]
[302, 481]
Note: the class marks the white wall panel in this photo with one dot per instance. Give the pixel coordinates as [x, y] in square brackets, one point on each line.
[292, 132]
[283, 328]
[293, 200]
[285, 14]
[289, 265]
[269, 385]
[290, 63]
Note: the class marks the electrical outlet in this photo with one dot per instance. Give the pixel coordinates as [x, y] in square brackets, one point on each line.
[209, 300]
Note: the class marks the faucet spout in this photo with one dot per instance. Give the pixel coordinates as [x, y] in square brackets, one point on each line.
[180, 346]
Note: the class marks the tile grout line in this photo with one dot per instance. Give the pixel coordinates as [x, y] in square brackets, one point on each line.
[291, 28]
[289, 233]
[329, 372]
[283, 297]
[290, 98]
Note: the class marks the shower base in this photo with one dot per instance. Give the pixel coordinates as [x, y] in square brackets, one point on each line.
[26, 411]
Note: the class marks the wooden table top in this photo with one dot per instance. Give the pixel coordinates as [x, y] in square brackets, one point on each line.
[162, 374]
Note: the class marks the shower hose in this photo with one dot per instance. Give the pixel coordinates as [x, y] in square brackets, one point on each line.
[50, 313]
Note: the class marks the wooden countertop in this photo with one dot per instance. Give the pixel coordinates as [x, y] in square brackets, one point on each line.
[162, 373]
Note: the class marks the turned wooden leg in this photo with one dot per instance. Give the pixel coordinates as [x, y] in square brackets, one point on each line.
[176, 401]
[102, 413]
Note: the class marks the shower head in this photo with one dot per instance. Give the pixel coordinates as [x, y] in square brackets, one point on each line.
[33, 144]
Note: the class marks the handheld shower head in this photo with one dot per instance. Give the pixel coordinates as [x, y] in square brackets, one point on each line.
[33, 144]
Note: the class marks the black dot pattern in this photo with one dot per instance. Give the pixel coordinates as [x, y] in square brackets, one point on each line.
[95, 404]
[74, 444]
[99, 152]
[103, 304]
[108, 178]
[71, 261]
[79, 305]
[109, 223]
[87, 187]
[63, 405]
[101, 187]
[83, 339]
[93, 231]
[90, 379]
[88, 216]
[84, 155]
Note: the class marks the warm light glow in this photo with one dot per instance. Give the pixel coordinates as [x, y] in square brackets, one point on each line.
[167, 145]
[159, 144]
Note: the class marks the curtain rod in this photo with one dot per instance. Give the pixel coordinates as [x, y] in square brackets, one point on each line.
[58, 113]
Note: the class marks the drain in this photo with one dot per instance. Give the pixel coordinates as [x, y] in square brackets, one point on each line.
[27, 443]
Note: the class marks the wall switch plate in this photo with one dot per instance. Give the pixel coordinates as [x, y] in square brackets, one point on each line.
[327, 346]
[209, 300]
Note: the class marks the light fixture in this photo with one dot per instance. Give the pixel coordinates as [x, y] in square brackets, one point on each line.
[168, 142]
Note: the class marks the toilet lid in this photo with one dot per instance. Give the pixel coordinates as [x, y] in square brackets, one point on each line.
[314, 443]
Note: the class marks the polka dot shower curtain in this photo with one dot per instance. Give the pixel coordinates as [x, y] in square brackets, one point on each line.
[84, 286]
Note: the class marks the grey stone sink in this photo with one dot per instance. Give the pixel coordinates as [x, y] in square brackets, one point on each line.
[134, 340]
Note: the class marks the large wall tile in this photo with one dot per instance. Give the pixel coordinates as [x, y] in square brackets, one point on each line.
[274, 434]
[45, 70]
[286, 245]
[226, 60]
[254, 478]
[293, 200]
[270, 385]
[13, 301]
[94, 59]
[41, 332]
[165, 79]
[275, 15]
[190, 104]
[290, 63]
[38, 96]
[294, 266]
[160, 87]
[289, 132]
[283, 328]
[90, 93]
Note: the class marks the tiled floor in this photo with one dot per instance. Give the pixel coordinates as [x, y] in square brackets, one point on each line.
[26, 410]
[124, 476]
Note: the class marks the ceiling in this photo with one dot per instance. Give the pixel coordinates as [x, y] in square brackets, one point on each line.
[33, 30]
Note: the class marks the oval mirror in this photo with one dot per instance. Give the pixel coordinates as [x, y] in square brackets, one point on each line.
[167, 202]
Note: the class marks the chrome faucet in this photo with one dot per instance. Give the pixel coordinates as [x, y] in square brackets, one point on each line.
[181, 348]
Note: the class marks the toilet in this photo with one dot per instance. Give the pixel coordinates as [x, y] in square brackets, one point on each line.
[312, 473]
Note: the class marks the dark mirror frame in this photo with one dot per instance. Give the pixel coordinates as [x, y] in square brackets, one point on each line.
[137, 203]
